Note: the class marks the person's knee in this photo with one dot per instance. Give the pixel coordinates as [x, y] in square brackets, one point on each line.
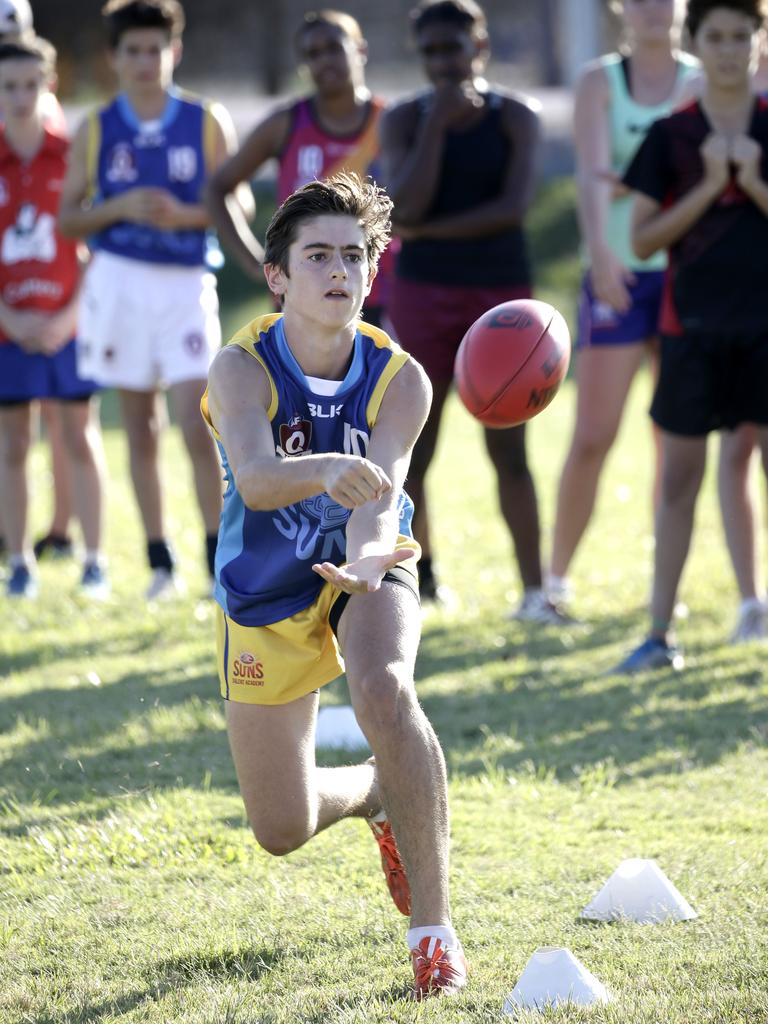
[680, 484]
[507, 453]
[197, 439]
[15, 448]
[79, 443]
[280, 836]
[144, 438]
[592, 443]
[382, 699]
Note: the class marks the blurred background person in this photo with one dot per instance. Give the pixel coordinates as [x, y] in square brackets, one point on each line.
[39, 277]
[459, 166]
[149, 317]
[335, 128]
[16, 22]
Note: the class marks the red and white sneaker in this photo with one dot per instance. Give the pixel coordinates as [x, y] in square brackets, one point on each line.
[437, 969]
[394, 869]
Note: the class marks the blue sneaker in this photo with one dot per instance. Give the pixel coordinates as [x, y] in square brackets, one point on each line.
[21, 582]
[652, 653]
[94, 583]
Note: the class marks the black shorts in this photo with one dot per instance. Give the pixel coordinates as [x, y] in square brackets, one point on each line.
[711, 382]
[398, 575]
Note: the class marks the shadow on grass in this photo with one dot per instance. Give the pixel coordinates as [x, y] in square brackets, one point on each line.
[169, 976]
[524, 707]
[513, 705]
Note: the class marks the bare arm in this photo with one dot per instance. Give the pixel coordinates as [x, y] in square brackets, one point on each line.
[509, 209]
[238, 399]
[746, 154]
[226, 146]
[655, 228]
[77, 217]
[593, 157]
[412, 150]
[264, 142]
[373, 528]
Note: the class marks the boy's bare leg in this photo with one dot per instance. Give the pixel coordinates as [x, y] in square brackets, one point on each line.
[289, 799]
[379, 635]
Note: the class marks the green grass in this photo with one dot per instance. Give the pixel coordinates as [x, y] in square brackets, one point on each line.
[132, 891]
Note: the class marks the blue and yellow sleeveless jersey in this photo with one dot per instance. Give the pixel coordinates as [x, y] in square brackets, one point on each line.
[174, 152]
[264, 559]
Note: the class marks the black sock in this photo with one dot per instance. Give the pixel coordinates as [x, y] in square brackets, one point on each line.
[159, 555]
[211, 540]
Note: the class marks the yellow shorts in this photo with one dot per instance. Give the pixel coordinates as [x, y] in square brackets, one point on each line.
[284, 660]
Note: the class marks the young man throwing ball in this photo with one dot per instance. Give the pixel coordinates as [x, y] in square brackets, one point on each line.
[316, 415]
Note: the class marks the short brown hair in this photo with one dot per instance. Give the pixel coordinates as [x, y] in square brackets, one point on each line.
[466, 14]
[699, 9]
[343, 194]
[344, 22]
[121, 16]
[31, 47]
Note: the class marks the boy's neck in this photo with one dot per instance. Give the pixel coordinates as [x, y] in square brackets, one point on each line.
[727, 101]
[25, 137]
[147, 104]
[319, 351]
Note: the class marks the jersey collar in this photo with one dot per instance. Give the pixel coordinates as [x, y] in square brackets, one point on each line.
[129, 115]
[290, 362]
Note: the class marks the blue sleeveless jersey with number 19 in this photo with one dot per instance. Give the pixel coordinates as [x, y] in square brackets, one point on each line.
[264, 559]
[168, 153]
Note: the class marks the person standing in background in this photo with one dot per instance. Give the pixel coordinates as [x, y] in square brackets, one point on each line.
[459, 164]
[618, 97]
[334, 129]
[149, 316]
[39, 280]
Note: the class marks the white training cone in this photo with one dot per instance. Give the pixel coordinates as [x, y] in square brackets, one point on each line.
[337, 727]
[639, 891]
[552, 976]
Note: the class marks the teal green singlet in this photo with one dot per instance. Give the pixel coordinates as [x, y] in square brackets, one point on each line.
[629, 123]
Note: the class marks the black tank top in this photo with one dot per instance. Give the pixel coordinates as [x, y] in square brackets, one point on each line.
[474, 167]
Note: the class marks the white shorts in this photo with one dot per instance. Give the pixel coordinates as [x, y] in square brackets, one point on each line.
[146, 325]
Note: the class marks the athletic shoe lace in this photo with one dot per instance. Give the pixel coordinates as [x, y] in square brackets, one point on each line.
[428, 967]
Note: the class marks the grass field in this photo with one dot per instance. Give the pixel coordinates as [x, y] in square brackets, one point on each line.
[132, 891]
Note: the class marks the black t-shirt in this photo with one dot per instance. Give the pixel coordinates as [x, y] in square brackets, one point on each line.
[718, 271]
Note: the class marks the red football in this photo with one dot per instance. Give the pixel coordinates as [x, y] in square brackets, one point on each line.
[512, 361]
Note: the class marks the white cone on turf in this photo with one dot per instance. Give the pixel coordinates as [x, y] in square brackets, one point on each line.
[553, 976]
[638, 890]
[337, 728]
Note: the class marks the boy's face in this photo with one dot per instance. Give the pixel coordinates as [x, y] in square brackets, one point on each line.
[328, 272]
[144, 59]
[333, 59]
[450, 54]
[727, 44]
[22, 81]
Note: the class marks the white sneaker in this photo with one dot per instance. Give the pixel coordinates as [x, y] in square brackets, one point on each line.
[559, 590]
[537, 607]
[752, 623]
[164, 586]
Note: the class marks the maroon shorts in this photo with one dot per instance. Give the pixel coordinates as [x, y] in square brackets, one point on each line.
[431, 319]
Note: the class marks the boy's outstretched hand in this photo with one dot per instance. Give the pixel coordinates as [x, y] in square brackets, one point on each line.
[363, 576]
